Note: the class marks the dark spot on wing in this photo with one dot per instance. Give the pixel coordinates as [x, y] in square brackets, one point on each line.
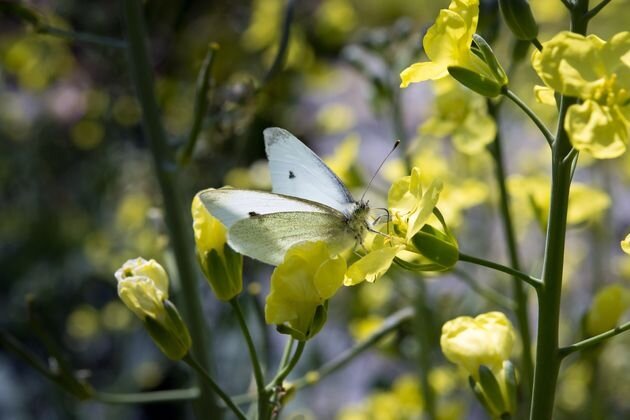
[291, 175]
[253, 213]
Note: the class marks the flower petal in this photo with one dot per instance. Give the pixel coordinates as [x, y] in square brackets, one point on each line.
[372, 266]
[419, 72]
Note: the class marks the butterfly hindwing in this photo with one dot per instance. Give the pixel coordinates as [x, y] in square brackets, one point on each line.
[298, 172]
[268, 237]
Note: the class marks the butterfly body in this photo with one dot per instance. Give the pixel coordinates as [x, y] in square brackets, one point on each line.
[308, 202]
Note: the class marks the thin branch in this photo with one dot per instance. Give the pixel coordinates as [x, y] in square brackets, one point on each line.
[532, 281]
[390, 324]
[595, 10]
[532, 116]
[288, 367]
[536, 43]
[201, 104]
[592, 341]
[485, 292]
[148, 397]
[190, 361]
[101, 41]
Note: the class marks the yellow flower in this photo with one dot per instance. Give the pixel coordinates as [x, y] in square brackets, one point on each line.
[484, 340]
[143, 287]
[342, 160]
[461, 114]
[607, 307]
[410, 207]
[625, 245]
[586, 203]
[222, 266]
[447, 43]
[300, 287]
[598, 73]
[372, 266]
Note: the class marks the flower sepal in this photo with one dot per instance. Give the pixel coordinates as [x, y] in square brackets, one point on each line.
[476, 82]
[438, 247]
[491, 60]
[170, 333]
[496, 393]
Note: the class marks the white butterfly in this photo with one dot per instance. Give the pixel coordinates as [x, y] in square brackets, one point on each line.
[308, 203]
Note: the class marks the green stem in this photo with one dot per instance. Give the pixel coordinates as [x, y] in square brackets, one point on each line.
[283, 46]
[424, 332]
[251, 348]
[520, 295]
[487, 293]
[547, 353]
[390, 324]
[287, 352]
[215, 387]
[532, 281]
[595, 10]
[201, 104]
[101, 41]
[142, 76]
[536, 43]
[288, 367]
[148, 397]
[532, 116]
[593, 341]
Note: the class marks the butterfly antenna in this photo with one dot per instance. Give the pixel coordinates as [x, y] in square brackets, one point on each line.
[379, 168]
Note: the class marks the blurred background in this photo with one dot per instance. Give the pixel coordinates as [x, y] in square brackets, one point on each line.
[78, 195]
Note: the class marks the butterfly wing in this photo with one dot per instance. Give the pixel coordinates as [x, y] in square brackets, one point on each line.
[268, 237]
[298, 172]
[230, 205]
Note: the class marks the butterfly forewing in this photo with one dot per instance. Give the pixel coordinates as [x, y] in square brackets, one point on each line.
[298, 172]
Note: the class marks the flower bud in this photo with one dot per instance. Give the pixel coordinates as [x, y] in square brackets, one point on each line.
[519, 18]
[471, 342]
[475, 81]
[221, 265]
[437, 246]
[143, 287]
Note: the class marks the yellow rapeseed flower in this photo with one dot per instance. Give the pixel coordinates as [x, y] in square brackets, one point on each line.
[301, 286]
[598, 73]
[462, 114]
[448, 43]
[625, 245]
[221, 265]
[484, 340]
[143, 287]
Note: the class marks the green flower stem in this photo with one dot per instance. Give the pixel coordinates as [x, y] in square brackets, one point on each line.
[532, 116]
[595, 10]
[547, 352]
[251, 348]
[101, 41]
[142, 76]
[288, 367]
[391, 323]
[148, 397]
[520, 295]
[283, 46]
[287, 352]
[593, 341]
[424, 333]
[201, 104]
[215, 387]
[536, 43]
[487, 293]
[532, 281]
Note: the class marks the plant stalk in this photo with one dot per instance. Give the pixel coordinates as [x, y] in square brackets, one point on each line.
[142, 76]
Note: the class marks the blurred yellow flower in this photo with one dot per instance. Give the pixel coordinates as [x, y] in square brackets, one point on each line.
[83, 322]
[342, 161]
[221, 265]
[597, 72]
[300, 287]
[625, 245]
[586, 204]
[448, 43]
[484, 340]
[143, 287]
[608, 305]
[335, 118]
[462, 114]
